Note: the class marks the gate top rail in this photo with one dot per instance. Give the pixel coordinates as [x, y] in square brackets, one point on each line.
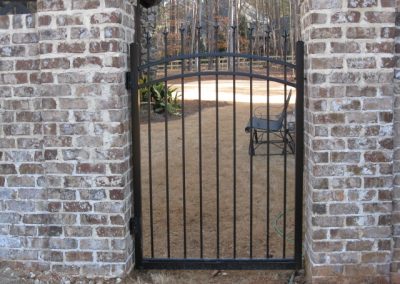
[167, 60]
[213, 73]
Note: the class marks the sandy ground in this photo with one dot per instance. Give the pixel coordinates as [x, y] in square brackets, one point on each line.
[209, 180]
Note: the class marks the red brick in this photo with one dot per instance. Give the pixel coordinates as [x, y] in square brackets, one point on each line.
[85, 168]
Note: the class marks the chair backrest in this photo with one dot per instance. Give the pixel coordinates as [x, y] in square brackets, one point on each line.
[285, 107]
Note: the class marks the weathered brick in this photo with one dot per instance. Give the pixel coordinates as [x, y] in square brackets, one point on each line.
[71, 47]
[93, 194]
[94, 141]
[55, 63]
[41, 78]
[77, 207]
[60, 168]
[359, 245]
[90, 61]
[361, 63]
[53, 256]
[107, 207]
[50, 231]
[360, 33]
[27, 65]
[12, 51]
[94, 219]
[53, 34]
[85, 168]
[94, 244]
[4, 22]
[6, 65]
[90, 4]
[21, 181]
[7, 169]
[325, 33]
[114, 32]
[379, 17]
[110, 231]
[85, 33]
[69, 20]
[342, 258]
[72, 78]
[79, 231]
[44, 20]
[327, 246]
[13, 79]
[106, 18]
[104, 46]
[376, 156]
[117, 220]
[328, 221]
[20, 38]
[343, 209]
[110, 257]
[373, 257]
[79, 256]
[346, 17]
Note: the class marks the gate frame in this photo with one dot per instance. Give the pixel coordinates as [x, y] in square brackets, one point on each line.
[136, 221]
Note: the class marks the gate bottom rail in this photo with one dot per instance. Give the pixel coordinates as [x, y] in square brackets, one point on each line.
[225, 264]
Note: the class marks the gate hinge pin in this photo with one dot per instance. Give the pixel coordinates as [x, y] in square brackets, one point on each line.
[128, 80]
[132, 225]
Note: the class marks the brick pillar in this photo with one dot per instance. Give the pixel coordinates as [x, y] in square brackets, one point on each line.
[349, 139]
[65, 142]
[395, 269]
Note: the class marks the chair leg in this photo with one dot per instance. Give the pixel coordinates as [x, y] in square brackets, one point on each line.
[256, 136]
[291, 143]
[282, 135]
[251, 144]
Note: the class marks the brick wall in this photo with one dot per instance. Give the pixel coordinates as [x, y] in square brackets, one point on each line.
[64, 138]
[395, 269]
[65, 181]
[349, 139]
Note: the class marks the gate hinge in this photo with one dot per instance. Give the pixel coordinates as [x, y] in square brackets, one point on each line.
[133, 225]
[128, 80]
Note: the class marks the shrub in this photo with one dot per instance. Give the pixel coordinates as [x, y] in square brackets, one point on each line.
[158, 92]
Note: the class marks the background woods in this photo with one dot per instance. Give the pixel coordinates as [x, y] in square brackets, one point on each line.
[263, 16]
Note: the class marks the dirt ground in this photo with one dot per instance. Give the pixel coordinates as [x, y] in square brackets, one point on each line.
[7, 276]
[216, 277]
[209, 180]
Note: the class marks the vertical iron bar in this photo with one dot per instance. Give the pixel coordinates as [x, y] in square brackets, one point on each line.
[136, 164]
[136, 159]
[234, 139]
[268, 37]
[217, 131]
[299, 152]
[150, 149]
[166, 141]
[182, 30]
[251, 156]
[286, 105]
[200, 143]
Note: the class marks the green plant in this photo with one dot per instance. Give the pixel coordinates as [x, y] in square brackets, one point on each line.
[159, 96]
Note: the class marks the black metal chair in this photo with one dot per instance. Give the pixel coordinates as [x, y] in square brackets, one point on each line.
[260, 125]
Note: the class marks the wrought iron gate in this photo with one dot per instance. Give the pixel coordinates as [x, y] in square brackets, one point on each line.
[203, 200]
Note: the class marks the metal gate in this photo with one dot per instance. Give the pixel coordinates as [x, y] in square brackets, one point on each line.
[207, 194]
